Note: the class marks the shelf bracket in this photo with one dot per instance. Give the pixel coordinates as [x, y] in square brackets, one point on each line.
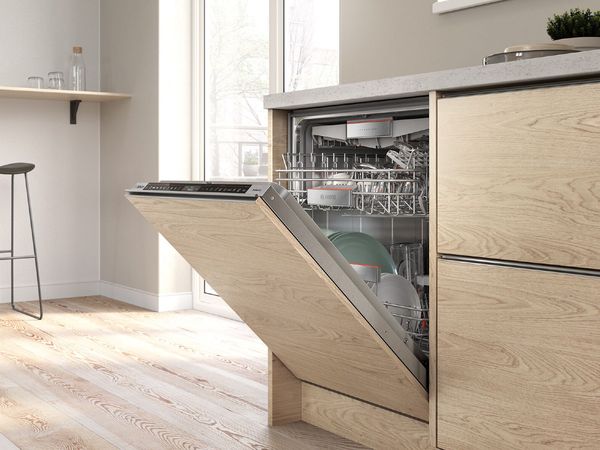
[74, 106]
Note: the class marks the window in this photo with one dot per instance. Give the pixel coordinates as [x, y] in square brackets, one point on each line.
[236, 77]
[311, 47]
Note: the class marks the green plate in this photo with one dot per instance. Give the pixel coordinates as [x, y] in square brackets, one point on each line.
[360, 248]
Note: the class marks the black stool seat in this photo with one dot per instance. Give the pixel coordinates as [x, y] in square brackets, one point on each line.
[16, 168]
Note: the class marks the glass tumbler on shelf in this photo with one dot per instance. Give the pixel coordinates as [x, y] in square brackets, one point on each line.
[56, 80]
[35, 82]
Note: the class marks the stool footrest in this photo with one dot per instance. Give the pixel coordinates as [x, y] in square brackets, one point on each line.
[5, 251]
[9, 258]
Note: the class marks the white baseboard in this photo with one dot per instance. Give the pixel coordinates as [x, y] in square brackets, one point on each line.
[51, 291]
[175, 302]
[147, 300]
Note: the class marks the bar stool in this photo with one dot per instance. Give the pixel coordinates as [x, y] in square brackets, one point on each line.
[12, 170]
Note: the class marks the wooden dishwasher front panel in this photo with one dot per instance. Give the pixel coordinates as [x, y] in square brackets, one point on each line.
[258, 267]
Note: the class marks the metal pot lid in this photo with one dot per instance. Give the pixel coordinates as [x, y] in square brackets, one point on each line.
[546, 46]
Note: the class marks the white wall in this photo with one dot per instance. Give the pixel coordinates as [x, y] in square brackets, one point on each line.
[35, 38]
[129, 135]
[142, 142]
[90, 239]
[386, 38]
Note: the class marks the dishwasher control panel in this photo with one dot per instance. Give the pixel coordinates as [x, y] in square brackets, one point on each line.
[205, 189]
[225, 188]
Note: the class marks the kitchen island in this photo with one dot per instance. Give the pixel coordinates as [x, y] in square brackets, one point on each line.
[514, 253]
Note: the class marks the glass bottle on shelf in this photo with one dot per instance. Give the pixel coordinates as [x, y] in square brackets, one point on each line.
[77, 70]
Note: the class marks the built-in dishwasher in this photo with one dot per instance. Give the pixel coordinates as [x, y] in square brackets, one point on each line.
[365, 169]
[270, 249]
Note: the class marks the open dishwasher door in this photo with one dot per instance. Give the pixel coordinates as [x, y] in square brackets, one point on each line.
[270, 262]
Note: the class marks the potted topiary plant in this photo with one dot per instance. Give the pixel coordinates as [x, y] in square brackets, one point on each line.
[580, 29]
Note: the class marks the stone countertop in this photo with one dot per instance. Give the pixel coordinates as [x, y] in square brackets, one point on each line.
[550, 68]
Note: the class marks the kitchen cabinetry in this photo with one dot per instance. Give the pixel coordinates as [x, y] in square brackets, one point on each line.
[516, 291]
[514, 279]
[518, 358]
[519, 176]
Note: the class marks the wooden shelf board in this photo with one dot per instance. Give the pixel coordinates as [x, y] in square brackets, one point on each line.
[53, 94]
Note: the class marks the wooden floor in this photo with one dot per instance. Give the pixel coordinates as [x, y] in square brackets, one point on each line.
[96, 373]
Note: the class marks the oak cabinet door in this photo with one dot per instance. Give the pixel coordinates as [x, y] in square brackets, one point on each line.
[519, 176]
[518, 360]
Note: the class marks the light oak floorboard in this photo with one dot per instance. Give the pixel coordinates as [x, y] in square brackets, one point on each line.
[97, 373]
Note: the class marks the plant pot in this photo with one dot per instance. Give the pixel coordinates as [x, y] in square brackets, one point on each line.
[581, 43]
[250, 170]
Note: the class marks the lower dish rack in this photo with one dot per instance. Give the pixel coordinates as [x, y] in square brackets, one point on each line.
[414, 320]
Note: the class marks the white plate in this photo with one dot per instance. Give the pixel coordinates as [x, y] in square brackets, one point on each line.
[398, 290]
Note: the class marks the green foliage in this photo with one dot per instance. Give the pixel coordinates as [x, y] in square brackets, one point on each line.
[251, 160]
[574, 23]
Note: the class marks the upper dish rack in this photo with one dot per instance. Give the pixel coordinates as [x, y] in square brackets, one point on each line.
[392, 182]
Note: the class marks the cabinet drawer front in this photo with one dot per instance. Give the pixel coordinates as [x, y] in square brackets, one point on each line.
[519, 176]
[518, 358]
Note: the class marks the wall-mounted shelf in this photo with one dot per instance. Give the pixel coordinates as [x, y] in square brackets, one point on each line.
[446, 6]
[73, 97]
